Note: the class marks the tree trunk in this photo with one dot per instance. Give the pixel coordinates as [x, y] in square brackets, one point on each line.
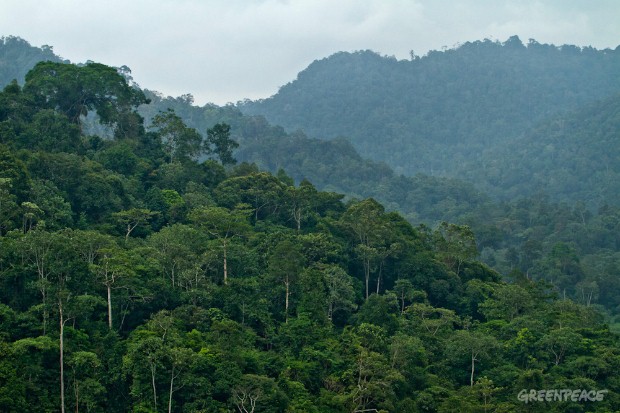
[287, 284]
[153, 384]
[473, 364]
[367, 275]
[379, 277]
[109, 287]
[45, 312]
[225, 266]
[62, 362]
[77, 395]
[297, 216]
[171, 386]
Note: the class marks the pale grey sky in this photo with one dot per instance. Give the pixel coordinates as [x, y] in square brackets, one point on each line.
[227, 50]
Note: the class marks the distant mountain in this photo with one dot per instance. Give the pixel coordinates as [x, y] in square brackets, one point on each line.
[570, 157]
[17, 57]
[334, 166]
[330, 165]
[438, 113]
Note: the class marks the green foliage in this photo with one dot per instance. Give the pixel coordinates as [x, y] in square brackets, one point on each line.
[223, 145]
[75, 90]
[159, 284]
[447, 112]
[179, 141]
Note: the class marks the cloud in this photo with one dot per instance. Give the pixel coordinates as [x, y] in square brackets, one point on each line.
[226, 50]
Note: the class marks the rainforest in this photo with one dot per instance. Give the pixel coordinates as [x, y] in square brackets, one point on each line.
[445, 250]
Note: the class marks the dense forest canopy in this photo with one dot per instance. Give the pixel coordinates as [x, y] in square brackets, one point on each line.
[143, 269]
[449, 112]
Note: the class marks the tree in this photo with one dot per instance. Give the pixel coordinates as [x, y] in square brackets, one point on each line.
[77, 90]
[87, 390]
[340, 293]
[133, 217]
[157, 355]
[223, 145]
[224, 225]
[262, 191]
[256, 393]
[474, 345]
[246, 396]
[31, 214]
[179, 250]
[62, 276]
[39, 249]
[408, 355]
[456, 244]
[432, 320]
[366, 220]
[560, 342]
[16, 179]
[404, 291]
[371, 382]
[300, 201]
[180, 142]
[113, 266]
[180, 359]
[509, 301]
[51, 131]
[285, 263]
[56, 211]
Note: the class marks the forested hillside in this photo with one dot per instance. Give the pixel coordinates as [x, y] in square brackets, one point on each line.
[534, 235]
[330, 165]
[573, 156]
[570, 245]
[17, 57]
[136, 276]
[449, 112]
[145, 271]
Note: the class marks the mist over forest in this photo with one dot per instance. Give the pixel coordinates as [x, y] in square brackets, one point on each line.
[433, 234]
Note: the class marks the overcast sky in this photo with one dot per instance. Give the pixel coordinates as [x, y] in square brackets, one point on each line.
[227, 50]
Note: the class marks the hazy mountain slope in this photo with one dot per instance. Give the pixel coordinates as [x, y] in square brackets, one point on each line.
[330, 165]
[571, 157]
[433, 113]
[17, 57]
[334, 166]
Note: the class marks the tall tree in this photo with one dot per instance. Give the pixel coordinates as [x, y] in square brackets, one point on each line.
[300, 202]
[113, 266]
[180, 142]
[340, 293]
[224, 225]
[77, 90]
[285, 264]
[474, 345]
[366, 221]
[456, 244]
[223, 144]
[133, 217]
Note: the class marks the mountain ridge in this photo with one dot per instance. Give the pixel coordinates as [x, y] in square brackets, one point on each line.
[432, 113]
